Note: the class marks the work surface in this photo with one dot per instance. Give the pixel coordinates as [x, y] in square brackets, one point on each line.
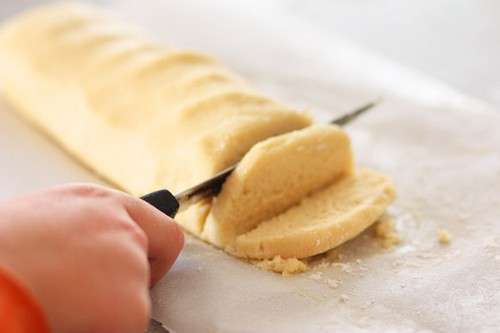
[441, 148]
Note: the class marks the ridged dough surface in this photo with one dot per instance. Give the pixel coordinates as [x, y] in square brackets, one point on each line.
[142, 115]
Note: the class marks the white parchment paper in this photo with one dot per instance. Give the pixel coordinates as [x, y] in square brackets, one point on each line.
[441, 148]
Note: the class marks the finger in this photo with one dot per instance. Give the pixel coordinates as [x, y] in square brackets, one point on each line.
[165, 237]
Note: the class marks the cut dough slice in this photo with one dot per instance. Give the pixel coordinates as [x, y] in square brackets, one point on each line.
[275, 175]
[321, 221]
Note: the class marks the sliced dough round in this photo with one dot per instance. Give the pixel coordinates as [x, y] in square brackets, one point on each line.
[275, 175]
[321, 221]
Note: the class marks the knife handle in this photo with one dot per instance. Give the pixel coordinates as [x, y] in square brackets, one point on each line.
[164, 201]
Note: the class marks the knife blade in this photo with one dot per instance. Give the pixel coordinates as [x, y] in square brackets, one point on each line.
[157, 327]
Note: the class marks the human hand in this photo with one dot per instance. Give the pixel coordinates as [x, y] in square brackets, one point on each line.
[83, 250]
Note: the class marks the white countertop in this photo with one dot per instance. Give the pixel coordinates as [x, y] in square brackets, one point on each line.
[447, 175]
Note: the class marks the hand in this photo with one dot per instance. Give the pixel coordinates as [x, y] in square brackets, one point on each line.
[83, 250]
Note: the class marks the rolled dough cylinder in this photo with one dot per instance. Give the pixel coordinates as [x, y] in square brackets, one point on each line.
[142, 115]
[145, 116]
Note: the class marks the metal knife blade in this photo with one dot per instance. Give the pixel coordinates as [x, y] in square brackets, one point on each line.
[157, 327]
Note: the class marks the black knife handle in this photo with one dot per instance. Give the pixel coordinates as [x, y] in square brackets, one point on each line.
[164, 201]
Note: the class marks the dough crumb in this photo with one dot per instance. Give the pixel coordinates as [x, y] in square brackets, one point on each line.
[385, 232]
[492, 244]
[344, 298]
[397, 263]
[426, 255]
[322, 265]
[346, 268]
[444, 236]
[316, 276]
[332, 283]
[281, 265]
[334, 254]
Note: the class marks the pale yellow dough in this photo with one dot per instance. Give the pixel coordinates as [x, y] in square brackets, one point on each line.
[145, 117]
[284, 266]
[275, 175]
[444, 236]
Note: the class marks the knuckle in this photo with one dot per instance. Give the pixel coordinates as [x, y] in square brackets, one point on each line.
[88, 189]
[134, 231]
[118, 223]
[138, 235]
[134, 258]
[139, 269]
[129, 228]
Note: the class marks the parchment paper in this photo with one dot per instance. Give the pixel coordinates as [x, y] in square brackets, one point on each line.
[441, 148]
